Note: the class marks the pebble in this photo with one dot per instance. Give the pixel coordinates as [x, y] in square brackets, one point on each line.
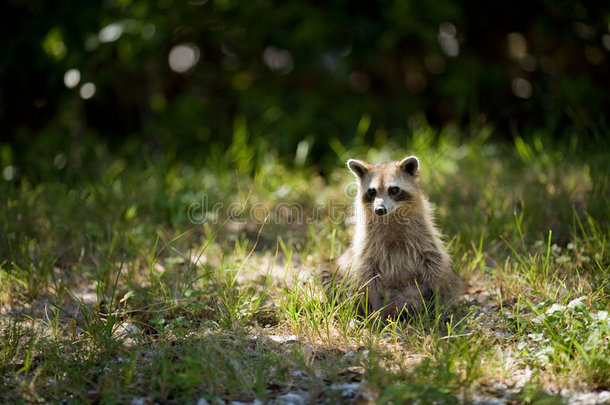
[289, 399]
[348, 390]
[589, 398]
[283, 339]
[297, 373]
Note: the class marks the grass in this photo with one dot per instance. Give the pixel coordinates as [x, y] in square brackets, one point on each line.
[142, 278]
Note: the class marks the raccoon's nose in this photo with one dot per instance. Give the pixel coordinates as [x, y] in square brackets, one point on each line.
[381, 211]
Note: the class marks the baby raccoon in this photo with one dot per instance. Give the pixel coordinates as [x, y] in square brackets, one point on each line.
[396, 259]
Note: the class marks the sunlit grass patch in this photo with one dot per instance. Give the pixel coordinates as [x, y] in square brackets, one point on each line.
[125, 285]
[570, 340]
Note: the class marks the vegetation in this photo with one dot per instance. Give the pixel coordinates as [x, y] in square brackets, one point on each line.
[176, 75]
[124, 278]
[172, 175]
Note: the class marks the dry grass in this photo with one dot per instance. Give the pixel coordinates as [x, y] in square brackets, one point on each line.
[110, 292]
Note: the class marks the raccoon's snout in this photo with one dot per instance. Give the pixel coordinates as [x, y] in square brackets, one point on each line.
[381, 210]
[380, 206]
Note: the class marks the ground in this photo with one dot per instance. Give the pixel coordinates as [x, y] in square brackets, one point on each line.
[150, 280]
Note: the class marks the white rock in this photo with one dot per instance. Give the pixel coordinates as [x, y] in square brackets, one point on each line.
[290, 399]
[283, 339]
[348, 390]
[349, 357]
[589, 398]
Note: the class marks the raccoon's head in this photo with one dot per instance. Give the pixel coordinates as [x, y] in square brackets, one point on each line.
[386, 187]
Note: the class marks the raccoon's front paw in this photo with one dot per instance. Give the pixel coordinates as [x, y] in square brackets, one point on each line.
[425, 294]
[408, 300]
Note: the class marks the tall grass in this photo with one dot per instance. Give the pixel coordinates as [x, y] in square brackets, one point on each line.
[124, 283]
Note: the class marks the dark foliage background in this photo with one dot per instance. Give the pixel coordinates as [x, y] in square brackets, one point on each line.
[292, 71]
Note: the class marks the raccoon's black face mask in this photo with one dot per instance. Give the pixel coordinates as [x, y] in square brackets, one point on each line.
[386, 186]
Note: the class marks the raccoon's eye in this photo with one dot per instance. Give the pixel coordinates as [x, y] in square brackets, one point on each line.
[393, 190]
[371, 192]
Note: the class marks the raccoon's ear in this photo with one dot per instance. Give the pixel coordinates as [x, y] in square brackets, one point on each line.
[410, 165]
[358, 167]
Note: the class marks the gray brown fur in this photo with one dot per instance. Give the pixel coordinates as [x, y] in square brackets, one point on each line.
[396, 259]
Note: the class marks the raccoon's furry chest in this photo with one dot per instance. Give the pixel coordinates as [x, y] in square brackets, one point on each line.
[392, 261]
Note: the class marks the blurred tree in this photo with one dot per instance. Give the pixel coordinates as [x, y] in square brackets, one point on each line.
[176, 74]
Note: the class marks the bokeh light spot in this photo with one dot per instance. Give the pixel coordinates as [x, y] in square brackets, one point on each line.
[87, 90]
[521, 87]
[72, 78]
[183, 57]
[606, 41]
[278, 60]
[53, 44]
[447, 29]
[9, 173]
[110, 33]
[60, 161]
[447, 39]
[594, 55]
[91, 43]
[583, 30]
[148, 31]
[517, 45]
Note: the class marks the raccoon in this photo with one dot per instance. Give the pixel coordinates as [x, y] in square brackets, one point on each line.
[396, 259]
